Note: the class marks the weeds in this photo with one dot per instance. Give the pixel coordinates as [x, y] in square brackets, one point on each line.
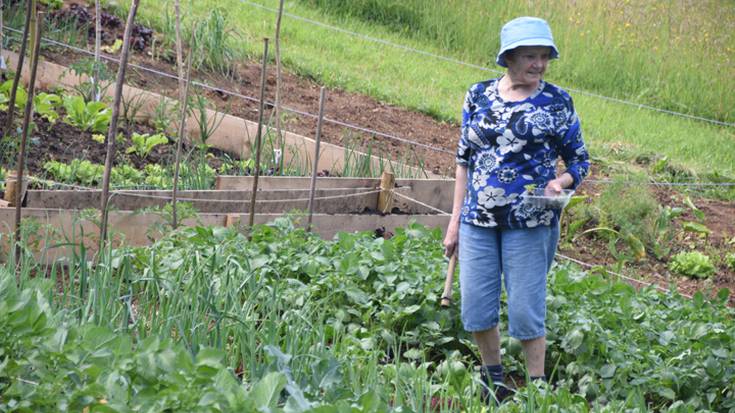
[212, 44]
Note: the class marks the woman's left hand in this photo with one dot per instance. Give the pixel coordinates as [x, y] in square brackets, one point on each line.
[555, 186]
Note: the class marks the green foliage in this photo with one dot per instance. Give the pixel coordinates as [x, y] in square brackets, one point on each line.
[349, 324]
[696, 227]
[144, 144]
[86, 70]
[157, 176]
[162, 114]
[21, 96]
[207, 124]
[46, 105]
[89, 116]
[52, 4]
[212, 43]
[608, 340]
[730, 260]
[78, 171]
[693, 264]
[627, 212]
[86, 173]
[51, 366]
[126, 176]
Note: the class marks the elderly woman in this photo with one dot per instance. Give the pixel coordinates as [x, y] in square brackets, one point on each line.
[513, 130]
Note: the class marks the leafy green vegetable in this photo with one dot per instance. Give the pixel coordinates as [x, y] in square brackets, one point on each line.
[78, 171]
[46, 105]
[144, 144]
[692, 264]
[90, 116]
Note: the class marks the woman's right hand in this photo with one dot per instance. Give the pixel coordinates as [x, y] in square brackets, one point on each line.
[451, 240]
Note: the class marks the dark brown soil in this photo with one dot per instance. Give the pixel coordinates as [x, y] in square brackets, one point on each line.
[62, 142]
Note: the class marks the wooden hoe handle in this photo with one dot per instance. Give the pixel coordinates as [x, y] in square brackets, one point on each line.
[448, 282]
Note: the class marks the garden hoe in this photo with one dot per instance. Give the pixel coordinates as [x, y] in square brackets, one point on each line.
[448, 282]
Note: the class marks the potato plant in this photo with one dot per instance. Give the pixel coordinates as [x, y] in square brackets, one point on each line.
[322, 325]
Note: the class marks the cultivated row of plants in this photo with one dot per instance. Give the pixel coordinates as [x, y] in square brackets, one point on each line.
[323, 325]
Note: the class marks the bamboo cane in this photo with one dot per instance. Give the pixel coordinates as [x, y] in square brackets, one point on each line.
[97, 48]
[19, 69]
[182, 129]
[112, 131]
[279, 82]
[24, 136]
[258, 136]
[316, 156]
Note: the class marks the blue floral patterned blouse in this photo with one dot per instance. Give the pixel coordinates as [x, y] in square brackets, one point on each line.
[508, 145]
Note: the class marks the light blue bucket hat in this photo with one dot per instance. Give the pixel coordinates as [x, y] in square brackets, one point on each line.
[525, 31]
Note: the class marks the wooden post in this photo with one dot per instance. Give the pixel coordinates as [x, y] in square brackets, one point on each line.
[385, 199]
[19, 70]
[182, 131]
[112, 131]
[314, 170]
[258, 136]
[24, 136]
[12, 186]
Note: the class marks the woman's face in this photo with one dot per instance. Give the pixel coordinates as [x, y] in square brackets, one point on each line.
[527, 64]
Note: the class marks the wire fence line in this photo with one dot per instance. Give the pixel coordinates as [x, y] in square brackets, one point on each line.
[245, 97]
[480, 67]
[591, 181]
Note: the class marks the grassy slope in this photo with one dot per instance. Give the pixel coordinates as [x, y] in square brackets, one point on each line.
[437, 87]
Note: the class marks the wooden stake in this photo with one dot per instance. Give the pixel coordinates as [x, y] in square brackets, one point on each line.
[179, 50]
[182, 128]
[258, 136]
[112, 131]
[314, 170]
[24, 136]
[97, 49]
[183, 101]
[385, 198]
[2, 24]
[279, 80]
[19, 70]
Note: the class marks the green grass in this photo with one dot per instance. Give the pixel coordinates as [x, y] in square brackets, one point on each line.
[437, 87]
[651, 51]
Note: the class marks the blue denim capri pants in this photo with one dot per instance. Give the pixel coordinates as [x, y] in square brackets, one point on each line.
[523, 258]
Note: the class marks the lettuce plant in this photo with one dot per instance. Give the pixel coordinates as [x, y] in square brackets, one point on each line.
[89, 116]
[693, 264]
[144, 144]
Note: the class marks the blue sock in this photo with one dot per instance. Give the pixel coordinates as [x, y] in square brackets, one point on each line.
[494, 373]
